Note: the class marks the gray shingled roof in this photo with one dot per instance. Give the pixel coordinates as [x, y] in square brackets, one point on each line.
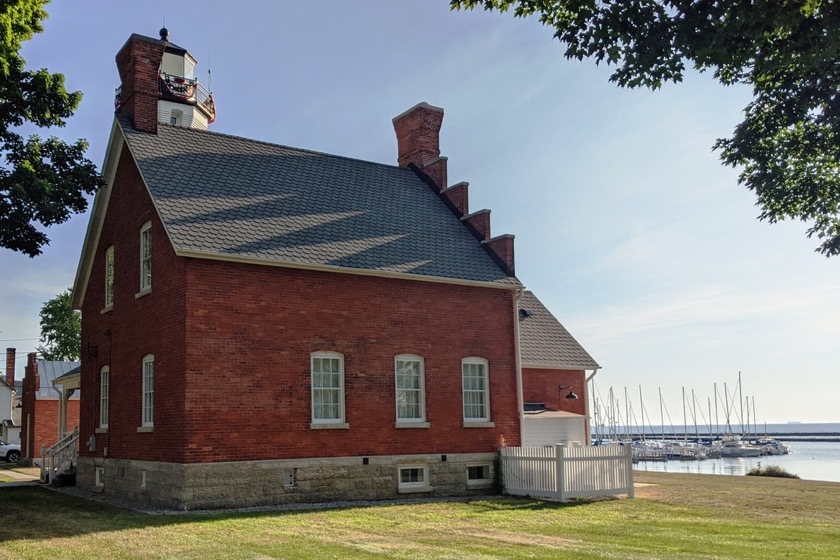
[235, 197]
[545, 342]
[48, 372]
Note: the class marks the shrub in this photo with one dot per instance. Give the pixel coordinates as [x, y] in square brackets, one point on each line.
[770, 470]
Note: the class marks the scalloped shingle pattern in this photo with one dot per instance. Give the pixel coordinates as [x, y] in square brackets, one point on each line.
[546, 342]
[236, 197]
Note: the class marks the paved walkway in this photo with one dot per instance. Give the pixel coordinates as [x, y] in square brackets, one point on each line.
[20, 479]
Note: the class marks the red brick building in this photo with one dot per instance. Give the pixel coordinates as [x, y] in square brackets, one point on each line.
[271, 324]
[41, 405]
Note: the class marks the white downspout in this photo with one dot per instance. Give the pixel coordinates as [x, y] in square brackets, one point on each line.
[61, 411]
[587, 427]
[520, 401]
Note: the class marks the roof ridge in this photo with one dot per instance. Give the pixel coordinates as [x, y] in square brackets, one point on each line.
[275, 145]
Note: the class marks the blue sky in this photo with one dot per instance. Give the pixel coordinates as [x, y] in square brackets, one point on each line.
[627, 226]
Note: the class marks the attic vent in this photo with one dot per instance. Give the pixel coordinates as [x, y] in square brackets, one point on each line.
[525, 313]
[287, 476]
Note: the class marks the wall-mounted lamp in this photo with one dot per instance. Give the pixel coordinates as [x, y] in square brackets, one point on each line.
[571, 396]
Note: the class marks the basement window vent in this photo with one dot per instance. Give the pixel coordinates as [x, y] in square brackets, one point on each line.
[479, 475]
[288, 477]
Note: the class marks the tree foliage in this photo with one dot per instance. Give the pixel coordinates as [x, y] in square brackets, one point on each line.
[42, 181]
[788, 145]
[61, 329]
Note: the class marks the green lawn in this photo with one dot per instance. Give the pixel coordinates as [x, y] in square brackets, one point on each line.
[673, 516]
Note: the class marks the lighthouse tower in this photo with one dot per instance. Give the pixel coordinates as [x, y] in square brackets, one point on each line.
[158, 85]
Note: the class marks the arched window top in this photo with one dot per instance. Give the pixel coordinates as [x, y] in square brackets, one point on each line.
[474, 360]
[408, 358]
[327, 354]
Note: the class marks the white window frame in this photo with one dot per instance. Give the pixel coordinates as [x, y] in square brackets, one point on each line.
[146, 257]
[148, 393]
[99, 477]
[420, 391]
[480, 482]
[109, 277]
[413, 486]
[475, 361]
[104, 395]
[316, 388]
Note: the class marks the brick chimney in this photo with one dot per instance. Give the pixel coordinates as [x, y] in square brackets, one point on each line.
[10, 367]
[418, 141]
[139, 63]
[32, 370]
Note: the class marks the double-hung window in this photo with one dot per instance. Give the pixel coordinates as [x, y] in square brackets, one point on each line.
[146, 257]
[104, 392]
[476, 390]
[327, 388]
[148, 391]
[109, 277]
[410, 388]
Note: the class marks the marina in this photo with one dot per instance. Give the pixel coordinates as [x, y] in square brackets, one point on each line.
[809, 460]
[721, 436]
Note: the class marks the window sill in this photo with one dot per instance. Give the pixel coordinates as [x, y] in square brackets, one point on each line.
[326, 426]
[479, 483]
[412, 425]
[107, 309]
[145, 429]
[142, 293]
[479, 424]
[415, 489]
[101, 430]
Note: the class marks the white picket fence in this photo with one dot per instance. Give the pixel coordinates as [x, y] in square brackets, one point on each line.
[564, 472]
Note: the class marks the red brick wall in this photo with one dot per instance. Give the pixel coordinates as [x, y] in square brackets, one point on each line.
[540, 385]
[251, 332]
[135, 327]
[45, 423]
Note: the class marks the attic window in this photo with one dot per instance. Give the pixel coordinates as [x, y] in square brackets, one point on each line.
[176, 117]
[146, 257]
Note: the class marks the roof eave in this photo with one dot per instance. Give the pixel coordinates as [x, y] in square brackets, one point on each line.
[100, 205]
[515, 285]
[560, 365]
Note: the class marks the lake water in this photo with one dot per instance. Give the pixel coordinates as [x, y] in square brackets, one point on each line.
[809, 460]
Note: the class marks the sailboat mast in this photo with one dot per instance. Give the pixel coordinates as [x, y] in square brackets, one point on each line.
[726, 410]
[741, 402]
[661, 415]
[685, 419]
[642, 406]
[709, 401]
[694, 414]
[626, 414]
[717, 424]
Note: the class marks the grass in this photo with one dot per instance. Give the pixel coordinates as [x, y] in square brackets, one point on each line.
[673, 516]
[770, 470]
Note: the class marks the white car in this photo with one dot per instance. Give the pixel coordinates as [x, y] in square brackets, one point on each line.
[10, 451]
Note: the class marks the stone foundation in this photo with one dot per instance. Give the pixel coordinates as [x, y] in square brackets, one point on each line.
[256, 483]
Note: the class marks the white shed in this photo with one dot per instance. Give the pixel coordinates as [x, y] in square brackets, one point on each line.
[548, 427]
